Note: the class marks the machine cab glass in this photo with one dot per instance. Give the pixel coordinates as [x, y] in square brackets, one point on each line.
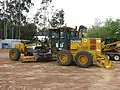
[61, 37]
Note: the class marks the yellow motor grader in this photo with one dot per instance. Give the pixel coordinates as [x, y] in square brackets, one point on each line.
[66, 46]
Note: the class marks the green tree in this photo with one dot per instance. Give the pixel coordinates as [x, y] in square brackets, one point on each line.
[109, 29]
[13, 11]
[42, 16]
[28, 31]
[1, 29]
[47, 16]
[57, 18]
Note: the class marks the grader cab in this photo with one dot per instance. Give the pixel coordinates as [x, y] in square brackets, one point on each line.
[67, 47]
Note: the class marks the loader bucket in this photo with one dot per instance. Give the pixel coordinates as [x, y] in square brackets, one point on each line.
[103, 61]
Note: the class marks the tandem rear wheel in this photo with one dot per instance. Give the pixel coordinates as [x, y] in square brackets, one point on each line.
[64, 58]
[83, 59]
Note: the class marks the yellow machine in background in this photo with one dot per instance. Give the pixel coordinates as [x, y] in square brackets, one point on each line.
[66, 44]
[112, 49]
[115, 46]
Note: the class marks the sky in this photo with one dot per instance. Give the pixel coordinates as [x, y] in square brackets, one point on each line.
[84, 12]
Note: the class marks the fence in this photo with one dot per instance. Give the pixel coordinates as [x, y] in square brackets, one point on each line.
[8, 43]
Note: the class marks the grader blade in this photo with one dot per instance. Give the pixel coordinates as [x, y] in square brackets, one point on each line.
[103, 61]
[27, 58]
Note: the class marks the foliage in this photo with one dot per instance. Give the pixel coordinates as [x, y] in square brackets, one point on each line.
[14, 9]
[47, 16]
[28, 31]
[12, 14]
[57, 18]
[108, 29]
[41, 18]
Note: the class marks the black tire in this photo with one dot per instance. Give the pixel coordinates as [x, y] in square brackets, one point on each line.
[87, 63]
[109, 57]
[69, 59]
[116, 57]
[16, 56]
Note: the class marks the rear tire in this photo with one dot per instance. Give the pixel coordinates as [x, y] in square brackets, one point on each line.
[83, 59]
[64, 58]
[109, 57]
[14, 54]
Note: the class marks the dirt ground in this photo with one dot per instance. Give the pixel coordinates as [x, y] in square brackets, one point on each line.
[15, 75]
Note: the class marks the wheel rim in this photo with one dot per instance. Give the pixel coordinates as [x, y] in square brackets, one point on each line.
[63, 58]
[83, 59]
[116, 57]
[12, 54]
[108, 57]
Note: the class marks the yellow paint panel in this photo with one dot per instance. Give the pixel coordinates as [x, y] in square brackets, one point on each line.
[74, 45]
[20, 47]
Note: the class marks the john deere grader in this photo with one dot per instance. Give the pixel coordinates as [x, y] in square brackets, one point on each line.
[65, 45]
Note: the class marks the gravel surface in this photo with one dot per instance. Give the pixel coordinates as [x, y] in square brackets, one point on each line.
[15, 75]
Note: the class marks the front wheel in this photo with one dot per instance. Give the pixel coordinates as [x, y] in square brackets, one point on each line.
[14, 54]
